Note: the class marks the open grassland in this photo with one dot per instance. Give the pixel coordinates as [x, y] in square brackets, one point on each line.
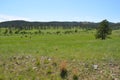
[73, 56]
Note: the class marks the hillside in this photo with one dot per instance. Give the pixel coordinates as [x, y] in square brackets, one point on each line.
[54, 24]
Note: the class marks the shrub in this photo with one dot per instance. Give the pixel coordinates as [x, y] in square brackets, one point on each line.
[6, 31]
[75, 74]
[63, 70]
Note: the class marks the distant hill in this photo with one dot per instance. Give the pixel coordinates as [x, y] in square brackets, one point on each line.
[54, 24]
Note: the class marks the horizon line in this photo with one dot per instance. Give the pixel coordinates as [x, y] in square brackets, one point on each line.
[57, 21]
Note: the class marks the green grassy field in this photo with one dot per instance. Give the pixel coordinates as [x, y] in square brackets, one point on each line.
[80, 50]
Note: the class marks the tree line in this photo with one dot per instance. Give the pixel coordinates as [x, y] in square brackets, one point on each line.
[102, 31]
[20, 24]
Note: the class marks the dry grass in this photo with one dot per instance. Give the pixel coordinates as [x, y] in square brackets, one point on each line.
[47, 68]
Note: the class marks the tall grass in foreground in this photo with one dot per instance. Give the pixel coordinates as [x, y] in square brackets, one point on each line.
[76, 56]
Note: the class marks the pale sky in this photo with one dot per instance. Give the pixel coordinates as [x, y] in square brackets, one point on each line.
[60, 10]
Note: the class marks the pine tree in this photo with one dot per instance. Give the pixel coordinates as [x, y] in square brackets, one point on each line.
[103, 30]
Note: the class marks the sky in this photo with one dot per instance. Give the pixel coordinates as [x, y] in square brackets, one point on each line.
[60, 10]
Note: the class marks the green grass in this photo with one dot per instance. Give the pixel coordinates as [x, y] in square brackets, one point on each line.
[79, 45]
[78, 49]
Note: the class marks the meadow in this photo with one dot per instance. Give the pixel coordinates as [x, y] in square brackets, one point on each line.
[56, 55]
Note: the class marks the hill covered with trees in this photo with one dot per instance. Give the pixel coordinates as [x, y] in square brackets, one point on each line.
[20, 24]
